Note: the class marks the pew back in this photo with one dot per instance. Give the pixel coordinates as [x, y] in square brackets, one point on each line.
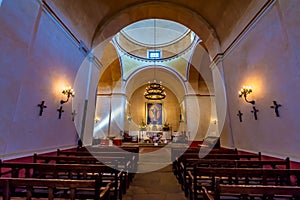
[240, 176]
[48, 188]
[69, 171]
[251, 191]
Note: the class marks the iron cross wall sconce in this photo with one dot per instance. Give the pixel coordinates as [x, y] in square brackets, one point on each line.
[255, 111]
[74, 113]
[246, 90]
[240, 115]
[42, 106]
[60, 111]
[275, 107]
[68, 91]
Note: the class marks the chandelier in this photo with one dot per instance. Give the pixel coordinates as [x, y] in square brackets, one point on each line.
[155, 91]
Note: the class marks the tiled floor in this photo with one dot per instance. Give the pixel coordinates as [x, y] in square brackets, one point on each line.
[156, 185]
[160, 185]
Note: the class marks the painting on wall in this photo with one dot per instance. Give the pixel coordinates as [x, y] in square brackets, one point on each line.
[154, 113]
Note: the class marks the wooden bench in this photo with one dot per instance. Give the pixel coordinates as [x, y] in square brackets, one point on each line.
[177, 163]
[121, 161]
[178, 151]
[188, 165]
[130, 149]
[132, 157]
[133, 149]
[222, 156]
[251, 191]
[109, 149]
[68, 171]
[206, 177]
[53, 188]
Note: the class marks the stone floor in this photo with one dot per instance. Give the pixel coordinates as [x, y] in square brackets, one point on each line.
[160, 184]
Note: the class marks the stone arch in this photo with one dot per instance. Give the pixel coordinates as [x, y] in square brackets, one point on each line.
[138, 78]
[164, 10]
[108, 27]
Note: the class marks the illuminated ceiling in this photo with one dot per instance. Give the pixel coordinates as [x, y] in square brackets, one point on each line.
[166, 32]
[174, 41]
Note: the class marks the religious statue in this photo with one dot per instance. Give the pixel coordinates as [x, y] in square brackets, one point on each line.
[155, 113]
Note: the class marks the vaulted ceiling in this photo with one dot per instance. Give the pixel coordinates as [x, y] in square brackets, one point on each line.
[216, 22]
[95, 20]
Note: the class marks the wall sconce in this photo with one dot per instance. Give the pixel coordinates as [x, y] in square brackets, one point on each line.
[97, 119]
[68, 91]
[244, 92]
[213, 121]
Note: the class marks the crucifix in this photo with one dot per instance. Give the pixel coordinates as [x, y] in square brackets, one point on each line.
[240, 114]
[42, 106]
[60, 110]
[276, 106]
[255, 111]
[73, 115]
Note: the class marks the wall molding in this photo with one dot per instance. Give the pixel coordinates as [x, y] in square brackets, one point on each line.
[199, 95]
[258, 16]
[31, 152]
[93, 59]
[110, 94]
[265, 154]
[82, 47]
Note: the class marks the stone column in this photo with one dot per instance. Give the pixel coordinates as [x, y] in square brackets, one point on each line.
[192, 119]
[223, 119]
[85, 86]
[118, 102]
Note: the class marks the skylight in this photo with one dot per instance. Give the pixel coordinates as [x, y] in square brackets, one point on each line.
[154, 54]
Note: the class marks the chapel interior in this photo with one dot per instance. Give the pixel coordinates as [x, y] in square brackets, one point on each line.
[78, 74]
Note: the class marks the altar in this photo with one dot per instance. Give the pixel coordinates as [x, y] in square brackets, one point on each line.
[151, 136]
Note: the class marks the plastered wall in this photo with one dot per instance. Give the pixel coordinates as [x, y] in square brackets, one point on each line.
[37, 61]
[267, 58]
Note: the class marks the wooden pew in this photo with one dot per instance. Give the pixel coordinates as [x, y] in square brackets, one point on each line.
[177, 164]
[132, 157]
[88, 153]
[188, 165]
[223, 156]
[251, 191]
[178, 151]
[68, 171]
[239, 176]
[133, 149]
[122, 161]
[53, 188]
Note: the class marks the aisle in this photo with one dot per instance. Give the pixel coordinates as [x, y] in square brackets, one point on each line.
[160, 184]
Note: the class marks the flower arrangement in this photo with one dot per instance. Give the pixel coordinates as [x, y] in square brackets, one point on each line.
[143, 126]
[166, 127]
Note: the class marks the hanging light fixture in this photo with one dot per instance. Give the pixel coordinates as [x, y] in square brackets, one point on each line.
[155, 91]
